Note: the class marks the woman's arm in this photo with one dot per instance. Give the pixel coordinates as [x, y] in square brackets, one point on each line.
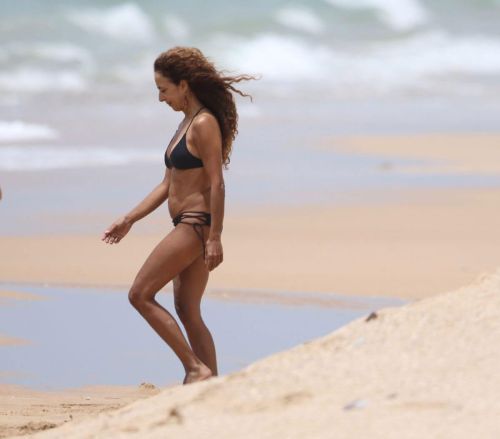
[122, 225]
[155, 198]
[207, 139]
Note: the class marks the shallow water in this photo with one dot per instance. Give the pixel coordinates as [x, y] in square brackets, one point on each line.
[91, 336]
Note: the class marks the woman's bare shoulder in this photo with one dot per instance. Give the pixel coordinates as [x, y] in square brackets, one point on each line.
[205, 124]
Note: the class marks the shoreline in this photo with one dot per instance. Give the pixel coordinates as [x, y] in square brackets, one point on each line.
[325, 299]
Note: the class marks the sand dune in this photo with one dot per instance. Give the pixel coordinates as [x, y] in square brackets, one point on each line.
[425, 370]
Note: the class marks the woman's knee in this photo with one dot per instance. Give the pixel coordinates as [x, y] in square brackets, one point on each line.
[139, 296]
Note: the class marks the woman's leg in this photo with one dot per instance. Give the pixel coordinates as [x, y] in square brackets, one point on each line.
[171, 256]
[189, 287]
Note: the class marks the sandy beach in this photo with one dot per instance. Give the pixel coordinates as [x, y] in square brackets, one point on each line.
[414, 244]
[26, 411]
[430, 361]
[358, 297]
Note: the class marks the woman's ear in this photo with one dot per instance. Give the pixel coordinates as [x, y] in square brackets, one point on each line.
[183, 84]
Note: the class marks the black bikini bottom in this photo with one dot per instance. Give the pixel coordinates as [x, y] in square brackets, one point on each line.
[204, 219]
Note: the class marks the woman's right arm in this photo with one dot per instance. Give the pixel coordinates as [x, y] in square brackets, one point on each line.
[156, 197]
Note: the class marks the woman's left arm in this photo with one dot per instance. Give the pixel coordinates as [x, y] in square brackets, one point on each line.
[207, 138]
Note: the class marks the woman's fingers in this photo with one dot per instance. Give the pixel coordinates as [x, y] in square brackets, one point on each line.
[108, 232]
[111, 238]
[217, 261]
[115, 239]
[114, 233]
[213, 260]
[111, 235]
[213, 255]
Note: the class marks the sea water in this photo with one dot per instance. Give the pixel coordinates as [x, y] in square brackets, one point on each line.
[91, 336]
[81, 128]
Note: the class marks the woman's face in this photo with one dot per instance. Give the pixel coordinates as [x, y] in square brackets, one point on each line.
[170, 93]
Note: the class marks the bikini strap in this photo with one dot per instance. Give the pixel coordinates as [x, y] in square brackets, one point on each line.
[191, 121]
[205, 219]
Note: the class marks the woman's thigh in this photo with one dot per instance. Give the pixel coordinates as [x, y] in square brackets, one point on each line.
[189, 287]
[170, 257]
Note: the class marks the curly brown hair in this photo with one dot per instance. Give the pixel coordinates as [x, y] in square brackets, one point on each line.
[211, 86]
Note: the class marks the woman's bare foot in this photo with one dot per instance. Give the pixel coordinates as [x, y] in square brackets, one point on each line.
[199, 373]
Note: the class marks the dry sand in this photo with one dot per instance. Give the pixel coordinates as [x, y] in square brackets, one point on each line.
[425, 370]
[413, 244]
[25, 411]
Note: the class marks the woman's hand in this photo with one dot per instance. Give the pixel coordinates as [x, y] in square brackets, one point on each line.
[213, 255]
[117, 231]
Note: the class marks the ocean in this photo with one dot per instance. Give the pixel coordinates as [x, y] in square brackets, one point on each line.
[78, 105]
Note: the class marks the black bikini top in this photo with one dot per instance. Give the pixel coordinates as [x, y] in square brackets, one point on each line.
[180, 157]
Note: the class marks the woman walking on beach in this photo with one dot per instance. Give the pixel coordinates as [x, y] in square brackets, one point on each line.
[194, 186]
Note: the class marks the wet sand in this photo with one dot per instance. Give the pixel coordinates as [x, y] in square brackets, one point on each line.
[468, 153]
[12, 341]
[411, 245]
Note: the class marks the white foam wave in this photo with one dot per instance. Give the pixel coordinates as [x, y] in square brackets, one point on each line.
[17, 130]
[37, 157]
[275, 56]
[301, 19]
[63, 52]
[177, 28]
[52, 51]
[400, 15]
[428, 56]
[125, 22]
[33, 80]
[414, 62]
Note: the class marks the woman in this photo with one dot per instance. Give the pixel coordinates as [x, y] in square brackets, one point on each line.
[194, 186]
